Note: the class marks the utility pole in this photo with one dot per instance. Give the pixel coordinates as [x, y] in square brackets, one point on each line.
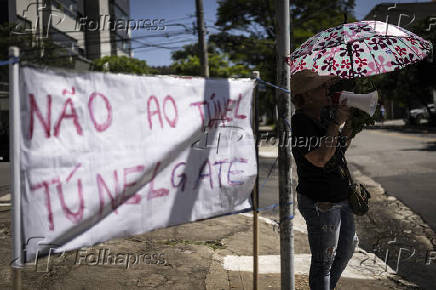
[14, 156]
[255, 125]
[202, 45]
[284, 119]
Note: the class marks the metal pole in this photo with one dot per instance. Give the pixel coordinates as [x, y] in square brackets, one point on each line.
[284, 113]
[256, 75]
[14, 153]
[202, 45]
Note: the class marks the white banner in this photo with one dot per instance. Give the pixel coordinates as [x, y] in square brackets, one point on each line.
[110, 155]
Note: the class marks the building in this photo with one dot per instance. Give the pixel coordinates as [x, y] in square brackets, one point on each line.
[87, 29]
[404, 15]
[101, 24]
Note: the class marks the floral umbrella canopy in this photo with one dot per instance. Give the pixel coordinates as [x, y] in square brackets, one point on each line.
[359, 49]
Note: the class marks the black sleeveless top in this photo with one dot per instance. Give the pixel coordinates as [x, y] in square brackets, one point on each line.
[319, 184]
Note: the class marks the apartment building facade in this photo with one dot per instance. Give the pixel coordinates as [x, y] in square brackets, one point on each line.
[86, 29]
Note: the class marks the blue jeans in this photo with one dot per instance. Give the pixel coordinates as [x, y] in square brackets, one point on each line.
[332, 240]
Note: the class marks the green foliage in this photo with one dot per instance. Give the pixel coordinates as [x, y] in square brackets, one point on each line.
[311, 17]
[248, 33]
[186, 62]
[32, 50]
[122, 64]
[162, 70]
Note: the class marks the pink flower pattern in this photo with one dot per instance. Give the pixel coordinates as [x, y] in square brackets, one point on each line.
[400, 50]
[345, 64]
[372, 53]
[301, 65]
[361, 61]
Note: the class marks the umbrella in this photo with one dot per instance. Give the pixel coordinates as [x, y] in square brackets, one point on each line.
[359, 49]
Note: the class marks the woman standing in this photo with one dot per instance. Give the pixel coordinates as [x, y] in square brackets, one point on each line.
[322, 188]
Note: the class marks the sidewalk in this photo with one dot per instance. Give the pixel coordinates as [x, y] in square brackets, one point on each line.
[210, 254]
[400, 125]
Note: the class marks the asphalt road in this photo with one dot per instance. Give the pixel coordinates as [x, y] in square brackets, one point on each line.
[403, 163]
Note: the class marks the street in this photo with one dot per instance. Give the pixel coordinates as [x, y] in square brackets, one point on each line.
[403, 163]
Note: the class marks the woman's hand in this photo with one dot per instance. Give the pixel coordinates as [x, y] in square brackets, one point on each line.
[342, 113]
[347, 129]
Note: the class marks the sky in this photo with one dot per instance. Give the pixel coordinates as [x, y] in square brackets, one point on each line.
[155, 46]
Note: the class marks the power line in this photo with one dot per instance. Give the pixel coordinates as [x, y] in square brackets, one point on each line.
[109, 40]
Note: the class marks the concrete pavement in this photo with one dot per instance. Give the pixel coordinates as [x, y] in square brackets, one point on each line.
[211, 254]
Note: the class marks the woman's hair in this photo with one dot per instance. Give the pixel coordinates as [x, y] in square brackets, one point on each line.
[298, 100]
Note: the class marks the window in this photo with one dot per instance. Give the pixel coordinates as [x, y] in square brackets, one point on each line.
[122, 44]
[63, 40]
[68, 7]
[119, 19]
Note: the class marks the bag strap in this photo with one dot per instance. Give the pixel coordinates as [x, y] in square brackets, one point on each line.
[345, 168]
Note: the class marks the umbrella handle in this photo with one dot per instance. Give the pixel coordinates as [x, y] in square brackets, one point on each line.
[350, 54]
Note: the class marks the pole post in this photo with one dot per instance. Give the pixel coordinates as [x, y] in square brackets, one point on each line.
[284, 116]
[14, 157]
[202, 45]
[255, 194]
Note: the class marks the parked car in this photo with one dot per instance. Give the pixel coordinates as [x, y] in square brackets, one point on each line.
[417, 116]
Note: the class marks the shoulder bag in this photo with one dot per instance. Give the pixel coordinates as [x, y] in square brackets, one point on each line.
[358, 195]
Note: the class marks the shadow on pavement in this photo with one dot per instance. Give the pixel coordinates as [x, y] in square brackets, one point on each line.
[430, 146]
[407, 129]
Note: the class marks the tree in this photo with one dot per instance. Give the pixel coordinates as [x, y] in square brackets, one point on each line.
[186, 62]
[32, 51]
[247, 32]
[122, 64]
[163, 70]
